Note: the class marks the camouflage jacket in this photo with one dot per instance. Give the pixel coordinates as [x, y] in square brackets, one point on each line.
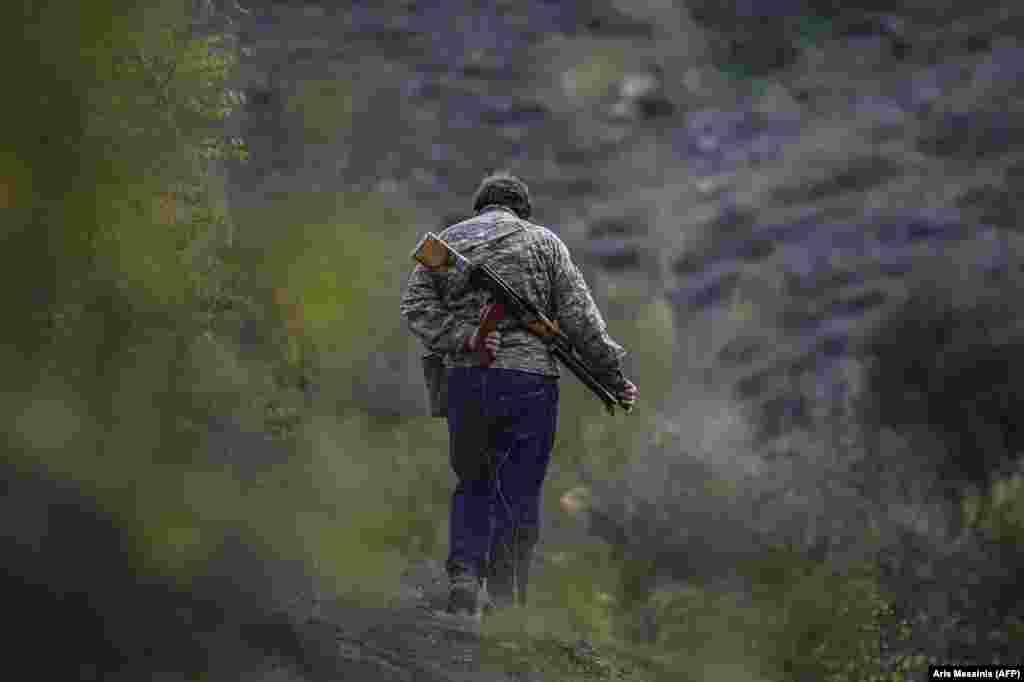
[442, 310]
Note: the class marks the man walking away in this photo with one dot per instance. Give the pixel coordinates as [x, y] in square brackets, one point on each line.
[503, 388]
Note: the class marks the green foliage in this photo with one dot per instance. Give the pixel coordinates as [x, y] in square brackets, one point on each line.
[808, 31]
[651, 337]
[999, 513]
[812, 30]
[565, 659]
[325, 108]
[162, 100]
[796, 618]
[737, 72]
[153, 125]
[324, 256]
[359, 495]
[566, 632]
[744, 76]
[590, 607]
[111, 169]
[593, 76]
[606, 446]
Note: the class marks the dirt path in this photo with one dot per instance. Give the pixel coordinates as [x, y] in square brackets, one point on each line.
[412, 640]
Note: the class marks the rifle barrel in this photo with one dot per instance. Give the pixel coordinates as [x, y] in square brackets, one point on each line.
[588, 379]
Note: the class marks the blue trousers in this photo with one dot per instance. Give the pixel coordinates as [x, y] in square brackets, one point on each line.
[501, 427]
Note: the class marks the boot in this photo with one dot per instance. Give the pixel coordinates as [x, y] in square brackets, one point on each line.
[463, 595]
[508, 575]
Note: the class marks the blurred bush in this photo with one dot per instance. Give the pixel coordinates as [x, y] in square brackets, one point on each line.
[596, 74]
[134, 374]
[325, 109]
[999, 514]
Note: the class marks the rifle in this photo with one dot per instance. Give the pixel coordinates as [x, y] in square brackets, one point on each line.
[435, 254]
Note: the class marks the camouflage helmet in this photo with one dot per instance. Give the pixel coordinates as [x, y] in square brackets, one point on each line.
[505, 189]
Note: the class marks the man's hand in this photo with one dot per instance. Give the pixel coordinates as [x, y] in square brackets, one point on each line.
[486, 339]
[629, 394]
[491, 343]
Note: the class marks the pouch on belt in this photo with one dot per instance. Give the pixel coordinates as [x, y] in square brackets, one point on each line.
[435, 375]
